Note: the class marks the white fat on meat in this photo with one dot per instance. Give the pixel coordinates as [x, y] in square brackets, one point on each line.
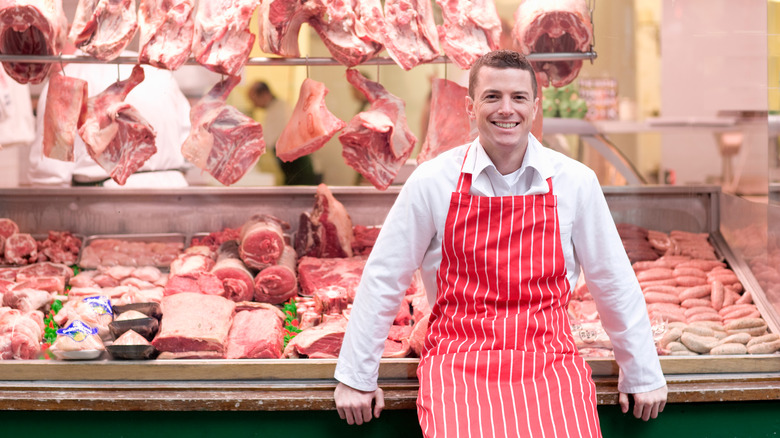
[165, 31]
[103, 28]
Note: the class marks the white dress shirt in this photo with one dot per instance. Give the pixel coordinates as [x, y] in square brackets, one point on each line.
[158, 99]
[411, 238]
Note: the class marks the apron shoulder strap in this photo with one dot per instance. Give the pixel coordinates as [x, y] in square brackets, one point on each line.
[464, 181]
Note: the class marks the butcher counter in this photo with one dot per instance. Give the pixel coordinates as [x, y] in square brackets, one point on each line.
[709, 395]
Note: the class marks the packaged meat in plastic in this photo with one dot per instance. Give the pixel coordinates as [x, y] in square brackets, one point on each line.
[76, 341]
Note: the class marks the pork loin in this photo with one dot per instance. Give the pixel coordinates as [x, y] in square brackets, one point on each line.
[256, 334]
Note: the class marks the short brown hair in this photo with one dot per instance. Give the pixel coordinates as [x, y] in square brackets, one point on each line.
[501, 59]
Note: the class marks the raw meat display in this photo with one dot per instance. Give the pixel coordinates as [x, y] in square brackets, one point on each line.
[215, 239]
[255, 334]
[448, 123]
[194, 260]
[411, 37]
[44, 270]
[222, 40]
[59, 247]
[26, 299]
[417, 336]
[118, 138]
[280, 22]
[311, 124]
[331, 300]
[223, 141]
[319, 342]
[318, 273]
[20, 249]
[551, 26]
[471, 28]
[95, 311]
[200, 282]
[165, 30]
[31, 27]
[117, 252]
[66, 110]
[262, 241]
[365, 237]
[77, 337]
[341, 28]
[8, 227]
[131, 337]
[20, 334]
[194, 322]
[377, 142]
[397, 342]
[277, 284]
[103, 28]
[235, 276]
[327, 230]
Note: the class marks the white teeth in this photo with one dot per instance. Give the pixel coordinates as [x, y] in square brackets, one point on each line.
[506, 125]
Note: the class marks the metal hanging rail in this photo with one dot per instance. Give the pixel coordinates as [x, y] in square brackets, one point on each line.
[319, 61]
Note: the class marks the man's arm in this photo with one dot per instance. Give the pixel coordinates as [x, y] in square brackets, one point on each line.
[647, 405]
[354, 405]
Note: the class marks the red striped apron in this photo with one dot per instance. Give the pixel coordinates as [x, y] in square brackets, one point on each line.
[499, 358]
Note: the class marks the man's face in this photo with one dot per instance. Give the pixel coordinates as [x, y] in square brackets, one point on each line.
[503, 107]
[261, 100]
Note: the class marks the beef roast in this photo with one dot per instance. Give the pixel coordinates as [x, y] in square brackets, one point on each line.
[223, 141]
[194, 322]
[256, 334]
[318, 342]
[318, 273]
[327, 230]
[277, 284]
[118, 138]
[20, 249]
[31, 27]
[236, 278]
[165, 28]
[8, 227]
[448, 123]
[103, 28]
[262, 241]
[377, 142]
[311, 124]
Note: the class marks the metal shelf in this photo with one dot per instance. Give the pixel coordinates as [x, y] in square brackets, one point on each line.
[318, 61]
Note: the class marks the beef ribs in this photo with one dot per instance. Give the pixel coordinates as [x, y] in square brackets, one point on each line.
[117, 136]
[65, 111]
[411, 37]
[311, 124]
[222, 40]
[327, 230]
[448, 123]
[256, 334]
[223, 141]
[377, 142]
[31, 27]
[194, 322]
[165, 32]
[543, 26]
[277, 284]
[471, 28]
[103, 28]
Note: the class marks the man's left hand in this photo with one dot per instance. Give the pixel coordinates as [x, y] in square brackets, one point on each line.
[647, 405]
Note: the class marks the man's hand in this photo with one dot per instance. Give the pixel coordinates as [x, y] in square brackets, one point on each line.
[355, 405]
[647, 405]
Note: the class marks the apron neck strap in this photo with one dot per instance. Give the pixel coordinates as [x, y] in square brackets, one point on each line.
[464, 182]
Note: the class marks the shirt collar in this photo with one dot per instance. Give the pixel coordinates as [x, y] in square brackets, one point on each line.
[478, 160]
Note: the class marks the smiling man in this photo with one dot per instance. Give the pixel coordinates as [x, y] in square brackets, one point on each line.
[500, 229]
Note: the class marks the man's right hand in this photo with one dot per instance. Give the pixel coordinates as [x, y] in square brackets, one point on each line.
[355, 406]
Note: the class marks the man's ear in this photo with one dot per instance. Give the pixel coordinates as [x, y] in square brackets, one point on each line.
[470, 108]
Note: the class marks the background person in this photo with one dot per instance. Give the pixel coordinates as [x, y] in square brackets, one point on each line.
[500, 228]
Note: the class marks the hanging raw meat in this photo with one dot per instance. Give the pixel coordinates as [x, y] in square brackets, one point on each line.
[103, 28]
[223, 141]
[280, 22]
[377, 142]
[31, 27]
[66, 110]
[448, 123]
[342, 30]
[165, 29]
[411, 37]
[471, 28]
[311, 124]
[118, 138]
[222, 40]
[551, 26]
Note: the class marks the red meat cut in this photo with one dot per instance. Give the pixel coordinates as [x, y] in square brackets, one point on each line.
[117, 136]
[66, 110]
[194, 322]
[341, 28]
[280, 23]
[20, 249]
[318, 273]
[236, 278]
[326, 231]
[277, 284]
[311, 124]
[262, 241]
[223, 141]
[165, 29]
[448, 124]
[319, 342]
[471, 28]
[31, 27]
[545, 26]
[20, 334]
[377, 142]
[411, 37]
[256, 334]
[8, 227]
[103, 28]
[222, 40]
